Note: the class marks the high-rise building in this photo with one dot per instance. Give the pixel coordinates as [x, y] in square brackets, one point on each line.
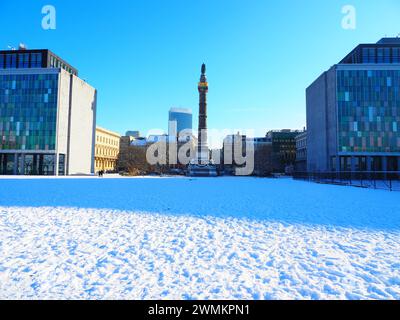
[47, 116]
[107, 150]
[353, 112]
[180, 119]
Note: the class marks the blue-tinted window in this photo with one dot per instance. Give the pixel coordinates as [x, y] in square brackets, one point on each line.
[365, 55]
[380, 55]
[396, 55]
[368, 55]
[11, 61]
[368, 110]
[182, 121]
[36, 60]
[386, 55]
[28, 110]
[23, 60]
[372, 55]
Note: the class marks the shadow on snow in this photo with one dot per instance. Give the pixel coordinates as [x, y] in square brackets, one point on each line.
[282, 200]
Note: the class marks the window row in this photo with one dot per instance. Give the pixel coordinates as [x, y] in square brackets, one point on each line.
[381, 55]
[20, 60]
[109, 141]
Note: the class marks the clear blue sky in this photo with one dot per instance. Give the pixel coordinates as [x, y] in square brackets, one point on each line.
[145, 56]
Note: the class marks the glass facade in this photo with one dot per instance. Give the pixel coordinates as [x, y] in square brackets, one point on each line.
[28, 111]
[7, 163]
[30, 164]
[29, 90]
[183, 120]
[21, 60]
[368, 110]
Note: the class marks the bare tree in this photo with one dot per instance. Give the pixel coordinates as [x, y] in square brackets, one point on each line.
[132, 160]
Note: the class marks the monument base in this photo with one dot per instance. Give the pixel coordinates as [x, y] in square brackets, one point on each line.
[202, 170]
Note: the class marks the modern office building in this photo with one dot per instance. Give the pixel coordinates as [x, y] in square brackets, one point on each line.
[283, 148]
[47, 116]
[353, 112]
[106, 150]
[301, 152]
[180, 119]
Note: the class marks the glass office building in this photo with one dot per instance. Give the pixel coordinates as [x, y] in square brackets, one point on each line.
[36, 123]
[28, 110]
[353, 112]
[179, 120]
[368, 110]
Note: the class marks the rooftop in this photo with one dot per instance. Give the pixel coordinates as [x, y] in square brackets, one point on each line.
[386, 50]
[100, 129]
[389, 41]
[33, 58]
[181, 110]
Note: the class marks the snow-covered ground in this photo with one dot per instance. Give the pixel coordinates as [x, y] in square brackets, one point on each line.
[223, 238]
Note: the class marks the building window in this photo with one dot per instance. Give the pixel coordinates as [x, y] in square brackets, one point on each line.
[11, 61]
[380, 55]
[61, 165]
[36, 60]
[386, 55]
[368, 109]
[396, 55]
[29, 124]
[23, 60]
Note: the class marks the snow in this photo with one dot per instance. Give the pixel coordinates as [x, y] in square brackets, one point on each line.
[189, 238]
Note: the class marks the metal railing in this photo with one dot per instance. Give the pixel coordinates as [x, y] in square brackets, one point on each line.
[388, 180]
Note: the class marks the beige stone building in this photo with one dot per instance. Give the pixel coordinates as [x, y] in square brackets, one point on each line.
[106, 149]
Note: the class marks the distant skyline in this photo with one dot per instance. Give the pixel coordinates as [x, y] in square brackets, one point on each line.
[144, 57]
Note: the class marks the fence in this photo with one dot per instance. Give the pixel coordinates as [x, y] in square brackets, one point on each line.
[389, 180]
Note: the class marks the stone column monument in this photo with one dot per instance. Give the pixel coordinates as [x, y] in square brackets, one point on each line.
[202, 166]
